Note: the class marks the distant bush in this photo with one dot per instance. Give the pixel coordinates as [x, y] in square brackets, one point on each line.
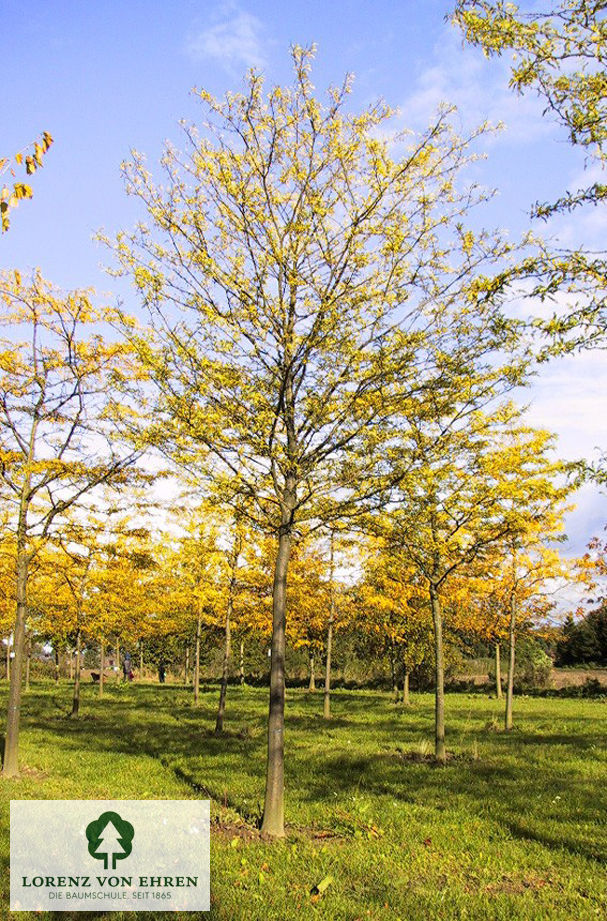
[533, 667]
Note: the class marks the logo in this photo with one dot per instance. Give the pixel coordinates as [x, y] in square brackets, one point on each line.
[81, 855]
[110, 839]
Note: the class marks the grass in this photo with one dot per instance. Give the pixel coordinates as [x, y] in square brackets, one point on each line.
[513, 827]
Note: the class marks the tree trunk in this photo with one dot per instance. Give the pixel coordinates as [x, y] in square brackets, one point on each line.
[226, 660]
[498, 672]
[101, 667]
[197, 658]
[10, 765]
[273, 812]
[439, 703]
[234, 557]
[406, 699]
[140, 660]
[241, 663]
[118, 663]
[28, 664]
[327, 695]
[508, 722]
[393, 671]
[76, 697]
[312, 681]
[56, 666]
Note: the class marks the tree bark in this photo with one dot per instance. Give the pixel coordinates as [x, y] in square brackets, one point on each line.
[186, 665]
[225, 669]
[28, 663]
[56, 666]
[406, 698]
[101, 667]
[439, 701]
[273, 812]
[393, 670]
[118, 663]
[197, 656]
[508, 720]
[76, 696]
[10, 765]
[327, 695]
[312, 681]
[498, 672]
[241, 663]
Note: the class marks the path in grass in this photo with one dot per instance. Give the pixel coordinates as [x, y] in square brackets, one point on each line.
[513, 827]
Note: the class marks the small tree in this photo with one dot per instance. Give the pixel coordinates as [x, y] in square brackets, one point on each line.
[57, 412]
[309, 604]
[483, 483]
[393, 606]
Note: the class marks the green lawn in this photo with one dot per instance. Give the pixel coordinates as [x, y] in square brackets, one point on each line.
[513, 827]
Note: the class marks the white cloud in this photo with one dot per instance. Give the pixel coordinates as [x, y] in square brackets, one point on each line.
[479, 88]
[234, 41]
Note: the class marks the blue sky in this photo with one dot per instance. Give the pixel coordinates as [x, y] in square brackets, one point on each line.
[106, 76]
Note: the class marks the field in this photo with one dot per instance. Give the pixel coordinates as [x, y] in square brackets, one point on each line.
[513, 827]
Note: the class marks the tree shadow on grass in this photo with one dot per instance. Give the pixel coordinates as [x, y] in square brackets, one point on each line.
[517, 793]
[518, 799]
[542, 739]
[557, 841]
[186, 746]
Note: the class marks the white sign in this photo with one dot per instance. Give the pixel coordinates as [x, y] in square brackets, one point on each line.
[110, 855]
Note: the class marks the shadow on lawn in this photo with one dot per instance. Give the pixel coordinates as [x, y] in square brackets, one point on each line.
[523, 802]
[523, 798]
[179, 737]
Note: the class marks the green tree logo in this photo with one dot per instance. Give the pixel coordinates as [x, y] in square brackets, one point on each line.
[110, 839]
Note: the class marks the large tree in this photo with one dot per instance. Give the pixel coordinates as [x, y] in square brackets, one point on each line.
[294, 263]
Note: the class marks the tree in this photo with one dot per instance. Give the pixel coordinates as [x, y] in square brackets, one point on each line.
[561, 54]
[339, 610]
[293, 269]
[7, 593]
[394, 606]
[125, 592]
[63, 588]
[584, 642]
[202, 571]
[14, 192]
[480, 485]
[57, 435]
[309, 603]
[523, 584]
[255, 596]
[232, 562]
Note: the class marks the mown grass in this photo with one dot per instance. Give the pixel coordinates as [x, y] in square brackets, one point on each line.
[513, 827]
